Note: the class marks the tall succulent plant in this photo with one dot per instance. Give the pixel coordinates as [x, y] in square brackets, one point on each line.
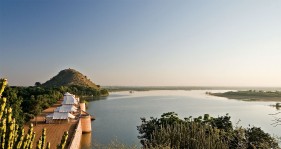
[12, 136]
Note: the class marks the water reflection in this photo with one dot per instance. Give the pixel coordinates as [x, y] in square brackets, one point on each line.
[277, 106]
[86, 141]
[93, 98]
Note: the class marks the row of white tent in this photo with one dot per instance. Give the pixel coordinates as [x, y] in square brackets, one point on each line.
[58, 116]
[66, 108]
[63, 112]
[69, 99]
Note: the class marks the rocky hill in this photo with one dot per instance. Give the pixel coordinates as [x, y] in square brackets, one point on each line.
[69, 77]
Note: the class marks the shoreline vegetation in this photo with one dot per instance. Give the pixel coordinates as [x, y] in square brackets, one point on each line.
[250, 95]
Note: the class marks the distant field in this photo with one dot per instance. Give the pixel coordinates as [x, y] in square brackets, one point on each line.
[251, 95]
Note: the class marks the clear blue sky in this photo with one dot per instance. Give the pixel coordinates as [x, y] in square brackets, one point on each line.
[143, 42]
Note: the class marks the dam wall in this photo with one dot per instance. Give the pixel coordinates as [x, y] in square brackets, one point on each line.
[83, 106]
[86, 123]
[76, 138]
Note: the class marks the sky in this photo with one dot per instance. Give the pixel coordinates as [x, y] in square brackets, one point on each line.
[143, 42]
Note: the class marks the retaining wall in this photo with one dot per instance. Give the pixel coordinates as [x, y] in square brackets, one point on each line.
[83, 106]
[86, 123]
[76, 138]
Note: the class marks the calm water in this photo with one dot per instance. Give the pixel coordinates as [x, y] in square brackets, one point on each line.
[118, 115]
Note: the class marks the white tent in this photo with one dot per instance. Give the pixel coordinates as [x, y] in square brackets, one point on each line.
[60, 116]
[67, 94]
[69, 99]
[50, 115]
[66, 108]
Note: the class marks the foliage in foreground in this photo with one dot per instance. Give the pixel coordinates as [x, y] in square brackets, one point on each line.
[12, 135]
[170, 131]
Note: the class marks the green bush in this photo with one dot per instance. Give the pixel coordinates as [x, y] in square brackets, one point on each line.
[206, 132]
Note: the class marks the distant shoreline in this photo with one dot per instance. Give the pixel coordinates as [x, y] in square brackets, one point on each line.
[149, 88]
[251, 95]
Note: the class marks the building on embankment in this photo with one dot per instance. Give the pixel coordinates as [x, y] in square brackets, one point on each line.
[71, 110]
[67, 108]
[66, 112]
[69, 99]
[59, 117]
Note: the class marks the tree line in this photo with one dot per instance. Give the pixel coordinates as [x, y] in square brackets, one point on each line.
[28, 102]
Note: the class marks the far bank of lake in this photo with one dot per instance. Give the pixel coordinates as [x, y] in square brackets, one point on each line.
[118, 114]
[251, 95]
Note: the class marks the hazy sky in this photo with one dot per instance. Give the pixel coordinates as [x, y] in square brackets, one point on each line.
[143, 42]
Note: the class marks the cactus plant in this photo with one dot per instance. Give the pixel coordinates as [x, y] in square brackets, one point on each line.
[39, 143]
[48, 145]
[28, 137]
[3, 133]
[63, 141]
[32, 140]
[20, 139]
[10, 130]
[12, 136]
[43, 138]
[3, 106]
[3, 83]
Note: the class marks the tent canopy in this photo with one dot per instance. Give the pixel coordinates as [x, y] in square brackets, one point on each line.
[69, 100]
[66, 108]
[61, 116]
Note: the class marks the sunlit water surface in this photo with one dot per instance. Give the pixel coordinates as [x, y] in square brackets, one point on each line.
[118, 115]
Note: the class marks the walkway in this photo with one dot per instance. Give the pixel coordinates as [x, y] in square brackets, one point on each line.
[54, 131]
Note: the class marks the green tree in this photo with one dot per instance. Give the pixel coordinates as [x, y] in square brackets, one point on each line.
[201, 132]
[37, 84]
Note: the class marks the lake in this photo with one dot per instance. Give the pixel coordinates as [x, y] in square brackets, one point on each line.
[118, 115]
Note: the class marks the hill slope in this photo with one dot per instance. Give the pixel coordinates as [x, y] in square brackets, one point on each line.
[69, 77]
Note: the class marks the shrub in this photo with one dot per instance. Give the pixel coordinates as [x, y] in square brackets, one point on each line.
[169, 131]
